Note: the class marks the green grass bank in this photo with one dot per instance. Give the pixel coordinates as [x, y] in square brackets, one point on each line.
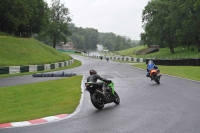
[37, 100]
[163, 53]
[188, 72]
[27, 51]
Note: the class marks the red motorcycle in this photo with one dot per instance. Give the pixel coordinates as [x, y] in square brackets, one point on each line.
[153, 72]
[154, 75]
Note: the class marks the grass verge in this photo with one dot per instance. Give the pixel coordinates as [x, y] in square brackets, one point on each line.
[163, 53]
[27, 51]
[189, 72]
[37, 100]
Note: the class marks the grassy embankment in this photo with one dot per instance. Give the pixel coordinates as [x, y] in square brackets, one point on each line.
[27, 51]
[162, 53]
[36, 100]
[189, 72]
[127, 52]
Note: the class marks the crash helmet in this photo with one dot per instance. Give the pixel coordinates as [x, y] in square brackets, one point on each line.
[150, 62]
[92, 71]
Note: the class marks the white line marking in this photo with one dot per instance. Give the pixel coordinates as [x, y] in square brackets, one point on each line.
[20, 124]
[51, 118]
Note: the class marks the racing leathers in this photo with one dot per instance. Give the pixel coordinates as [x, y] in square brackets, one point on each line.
[149, 67]
[93, 78]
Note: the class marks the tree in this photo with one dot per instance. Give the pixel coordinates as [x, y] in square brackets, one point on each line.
[114, 42]
[84, 38]
[158, 24]
[13, 14]
[172, 23]
[40, 15]
[22, 17]
[58, 28]
[191, 9]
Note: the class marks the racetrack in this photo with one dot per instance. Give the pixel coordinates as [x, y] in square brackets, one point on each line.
[171, 107]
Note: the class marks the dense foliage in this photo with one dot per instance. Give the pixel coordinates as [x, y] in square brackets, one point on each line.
[52, 25]
[22, 17]
[88, 38]
[27, 51]
[171, 23]
[115, 42]
[59, 19]
[84, 38]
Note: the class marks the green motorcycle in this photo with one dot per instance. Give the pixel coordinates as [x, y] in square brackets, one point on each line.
[98, 98]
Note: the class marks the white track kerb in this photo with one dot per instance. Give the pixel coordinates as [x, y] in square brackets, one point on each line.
[34, 68]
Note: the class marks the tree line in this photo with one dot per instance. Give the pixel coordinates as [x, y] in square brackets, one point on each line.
[24, 18]
[51, 24]
[115, 42]
[21, 17]
[171, 23]
[88, 38]
[83, 38]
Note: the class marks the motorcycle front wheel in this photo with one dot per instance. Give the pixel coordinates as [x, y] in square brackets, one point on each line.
[97, 101]
[117, 99]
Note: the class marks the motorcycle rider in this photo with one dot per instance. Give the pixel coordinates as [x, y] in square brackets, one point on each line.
[107, 58]
[151, 65]
[101, 57]
[94, 77]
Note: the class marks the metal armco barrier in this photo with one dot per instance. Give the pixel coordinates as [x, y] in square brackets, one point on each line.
[24, 69]
[176, 62]
[40, 68]
[52, 66]
[34, 68]
[4, 70]
[120, 58]
[167, 62]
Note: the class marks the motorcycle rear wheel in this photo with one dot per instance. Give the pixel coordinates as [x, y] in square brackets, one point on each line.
[157, 79]
[97, 101]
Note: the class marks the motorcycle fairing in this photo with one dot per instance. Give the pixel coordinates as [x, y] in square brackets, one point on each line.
[112, 86]
[153, 71]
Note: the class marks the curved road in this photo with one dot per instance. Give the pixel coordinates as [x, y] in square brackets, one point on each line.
[171, 107]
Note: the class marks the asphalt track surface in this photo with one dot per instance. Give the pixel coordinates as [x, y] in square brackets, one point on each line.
[171, 107]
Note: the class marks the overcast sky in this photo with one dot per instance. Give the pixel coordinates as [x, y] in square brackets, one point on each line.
[122, 17]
